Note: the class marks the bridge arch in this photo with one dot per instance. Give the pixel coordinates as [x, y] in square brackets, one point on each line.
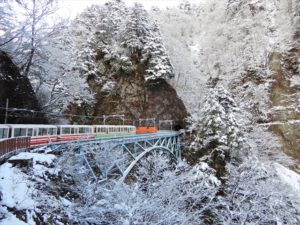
[140, 156]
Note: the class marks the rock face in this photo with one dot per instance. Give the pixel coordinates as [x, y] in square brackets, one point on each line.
[285, 99]
[136, 98]
[18, 90]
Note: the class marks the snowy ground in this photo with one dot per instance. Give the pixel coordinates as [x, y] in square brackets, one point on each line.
[18, 191]
[289, 177]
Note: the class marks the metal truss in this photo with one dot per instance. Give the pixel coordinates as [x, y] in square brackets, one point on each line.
[116, 157]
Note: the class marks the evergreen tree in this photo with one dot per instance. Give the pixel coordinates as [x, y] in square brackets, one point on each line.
[218, 134]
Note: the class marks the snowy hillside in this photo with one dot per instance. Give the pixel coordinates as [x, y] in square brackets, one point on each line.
[250, 48]
[226, 71]
[47, 191]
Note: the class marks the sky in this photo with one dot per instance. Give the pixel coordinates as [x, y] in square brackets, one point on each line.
[72, 7]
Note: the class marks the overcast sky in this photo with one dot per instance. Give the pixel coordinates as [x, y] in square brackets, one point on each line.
[72, 7]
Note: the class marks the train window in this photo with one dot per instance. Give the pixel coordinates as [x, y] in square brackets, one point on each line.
[29, 131]
[18, 132]
[42, 131]
[65, 130]
[52, 131]
[3, 133]
[84, 130]
[72, 130]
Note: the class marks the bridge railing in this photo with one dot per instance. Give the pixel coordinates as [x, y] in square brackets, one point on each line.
[13, 144]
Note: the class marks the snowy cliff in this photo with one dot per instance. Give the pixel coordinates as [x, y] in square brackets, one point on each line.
[120, 54]
[251, 48]
[235, 65]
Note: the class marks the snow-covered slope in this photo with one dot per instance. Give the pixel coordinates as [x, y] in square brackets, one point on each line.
[251, 48]
[40, 188]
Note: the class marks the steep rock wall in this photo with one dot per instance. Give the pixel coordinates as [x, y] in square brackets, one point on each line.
[134, 97]
[285, 99]
[18, 90]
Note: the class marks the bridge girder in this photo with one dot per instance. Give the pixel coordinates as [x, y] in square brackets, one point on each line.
[122, 154]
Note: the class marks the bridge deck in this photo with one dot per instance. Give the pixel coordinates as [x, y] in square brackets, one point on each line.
[122, 139]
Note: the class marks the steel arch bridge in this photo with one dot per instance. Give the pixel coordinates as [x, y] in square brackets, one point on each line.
[116, 157]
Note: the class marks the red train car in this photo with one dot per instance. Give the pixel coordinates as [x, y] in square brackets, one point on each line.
[39, 134]
[143, 130]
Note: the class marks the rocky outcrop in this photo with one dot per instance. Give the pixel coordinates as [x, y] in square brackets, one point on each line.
[138, 100]
[126, 66]
[134, 97]
[285, 99]
[17, 89]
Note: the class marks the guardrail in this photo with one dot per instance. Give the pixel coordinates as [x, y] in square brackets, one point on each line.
[13, 144]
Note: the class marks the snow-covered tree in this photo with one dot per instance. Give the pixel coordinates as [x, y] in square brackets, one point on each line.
[162, 193]
[41, 46]
[254, 194]
[7, 20]
[114, 35]
[34, 26]
[217, 128]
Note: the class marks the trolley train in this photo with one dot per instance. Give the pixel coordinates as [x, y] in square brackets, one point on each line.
[44, 134]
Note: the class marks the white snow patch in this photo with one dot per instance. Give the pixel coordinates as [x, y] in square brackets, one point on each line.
[16, 191]
[10, 219]
[29, 216]
[66, 202]
[42, 158]
[295, 81]
[39, 170]
[288, 176]
[280, 123]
